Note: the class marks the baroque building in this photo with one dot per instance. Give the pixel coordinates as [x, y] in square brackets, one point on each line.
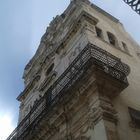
[83, 81]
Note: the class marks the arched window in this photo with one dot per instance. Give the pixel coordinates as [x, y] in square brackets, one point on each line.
[112, 39]
[99, 32]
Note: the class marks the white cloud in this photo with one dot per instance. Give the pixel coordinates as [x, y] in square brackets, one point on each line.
[6, 126]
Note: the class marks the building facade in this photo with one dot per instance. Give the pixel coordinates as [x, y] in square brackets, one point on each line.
[83, 83]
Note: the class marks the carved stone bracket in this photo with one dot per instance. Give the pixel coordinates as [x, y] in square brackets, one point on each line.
[109, 113]
[102, 109]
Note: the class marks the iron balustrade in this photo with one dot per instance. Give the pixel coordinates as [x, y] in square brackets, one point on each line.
[134, 4]
[89, 56]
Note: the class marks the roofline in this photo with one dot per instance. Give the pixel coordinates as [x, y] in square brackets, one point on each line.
[105, 13]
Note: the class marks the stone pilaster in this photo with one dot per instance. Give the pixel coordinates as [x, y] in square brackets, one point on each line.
[103, 119]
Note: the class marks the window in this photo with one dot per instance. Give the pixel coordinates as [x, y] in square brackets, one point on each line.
[112, 39]
[135, 117]
[63, 16]
[138, 54]
[125, 47]
[99, 32]
[50, 69]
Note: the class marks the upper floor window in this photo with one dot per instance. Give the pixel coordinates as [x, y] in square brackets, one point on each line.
[112, 39]
[125, 47]
[49, 70]
[138, 54]
[99, 32]
[135, 117]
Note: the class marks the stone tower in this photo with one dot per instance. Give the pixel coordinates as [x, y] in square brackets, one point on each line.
[78, 85]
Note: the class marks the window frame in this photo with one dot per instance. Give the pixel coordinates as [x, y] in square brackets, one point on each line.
[112, 39]
[99, 32]
[135, 120]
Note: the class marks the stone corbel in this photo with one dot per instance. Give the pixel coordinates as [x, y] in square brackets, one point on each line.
[103, 109]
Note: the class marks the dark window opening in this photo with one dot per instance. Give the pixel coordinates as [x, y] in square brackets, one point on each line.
[138, 54]
[63, 16]
[112, 39]
[50, 69]
[99, 32]
[135, 117]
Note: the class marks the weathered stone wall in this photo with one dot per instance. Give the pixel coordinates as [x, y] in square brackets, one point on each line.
[82, 117]
[130, 96]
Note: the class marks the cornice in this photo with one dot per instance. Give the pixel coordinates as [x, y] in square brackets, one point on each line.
[105, 13]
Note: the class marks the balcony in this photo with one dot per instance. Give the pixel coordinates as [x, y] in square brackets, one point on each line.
[103, 64]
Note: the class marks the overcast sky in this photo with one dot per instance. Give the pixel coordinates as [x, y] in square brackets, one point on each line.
[22, 23]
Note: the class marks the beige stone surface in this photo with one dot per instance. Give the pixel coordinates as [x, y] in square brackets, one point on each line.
[90, 111]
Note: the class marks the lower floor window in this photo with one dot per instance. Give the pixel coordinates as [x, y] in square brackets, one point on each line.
[135, 117]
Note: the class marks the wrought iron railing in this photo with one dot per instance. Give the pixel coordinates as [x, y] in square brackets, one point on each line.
[135, 5]
[89, 56]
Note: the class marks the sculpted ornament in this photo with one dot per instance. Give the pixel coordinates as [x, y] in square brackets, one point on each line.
[108, 111]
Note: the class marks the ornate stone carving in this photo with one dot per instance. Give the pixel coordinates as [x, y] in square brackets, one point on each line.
[101, 109]
[95, 116]
[109, 113]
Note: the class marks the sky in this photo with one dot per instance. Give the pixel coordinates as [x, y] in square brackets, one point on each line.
[22, 23]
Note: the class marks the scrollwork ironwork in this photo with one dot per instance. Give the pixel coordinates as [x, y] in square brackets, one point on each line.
[135, 5]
